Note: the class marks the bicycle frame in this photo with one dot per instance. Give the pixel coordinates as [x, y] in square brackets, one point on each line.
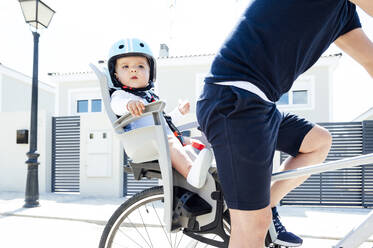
[319, 168]
[362, 232]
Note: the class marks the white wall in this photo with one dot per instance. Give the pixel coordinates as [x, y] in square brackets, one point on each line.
[15, 92]
[13, 170]
[101, 159]
[72, 86]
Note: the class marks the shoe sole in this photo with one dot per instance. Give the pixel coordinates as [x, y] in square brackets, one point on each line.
[284, 243]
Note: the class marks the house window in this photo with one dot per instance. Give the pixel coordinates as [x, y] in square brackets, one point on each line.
[284, 99]
[84, 100]
[96, 105]
[89, 106]
[82, 106]
[294, 97]
[300, 97]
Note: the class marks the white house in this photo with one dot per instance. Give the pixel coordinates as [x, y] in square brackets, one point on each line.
[99, 155]
[15, 105]
[15, 92]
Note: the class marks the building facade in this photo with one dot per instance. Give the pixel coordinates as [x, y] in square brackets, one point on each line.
[99, 153]
[15, 105]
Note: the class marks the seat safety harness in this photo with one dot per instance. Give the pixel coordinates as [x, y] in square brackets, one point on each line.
[148, 94]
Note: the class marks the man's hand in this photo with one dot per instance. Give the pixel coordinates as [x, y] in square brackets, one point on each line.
[184, 107]
[135, 107]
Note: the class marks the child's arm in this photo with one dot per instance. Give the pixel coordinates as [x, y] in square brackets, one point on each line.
[178, 113]
[120, 100]
[184, 107]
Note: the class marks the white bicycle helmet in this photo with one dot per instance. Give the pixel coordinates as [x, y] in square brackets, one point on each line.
[130, 47]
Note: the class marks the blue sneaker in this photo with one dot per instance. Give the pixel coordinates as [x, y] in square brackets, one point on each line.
[278, 234]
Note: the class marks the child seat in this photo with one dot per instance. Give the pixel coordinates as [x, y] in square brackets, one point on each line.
[147, 147]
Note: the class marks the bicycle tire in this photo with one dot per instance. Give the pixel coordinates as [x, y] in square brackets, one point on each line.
[122, 231]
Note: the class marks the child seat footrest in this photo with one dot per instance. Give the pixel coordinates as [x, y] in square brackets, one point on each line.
[147, 169]
[190, 204]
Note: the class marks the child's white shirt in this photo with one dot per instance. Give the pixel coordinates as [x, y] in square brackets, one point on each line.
[119, 101]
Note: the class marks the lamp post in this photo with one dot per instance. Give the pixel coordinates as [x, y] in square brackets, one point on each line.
[38, 15]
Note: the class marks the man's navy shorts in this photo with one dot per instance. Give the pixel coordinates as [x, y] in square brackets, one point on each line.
[244, 131]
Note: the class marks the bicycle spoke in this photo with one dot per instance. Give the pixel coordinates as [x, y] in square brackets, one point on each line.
[160, 222]
[138, 231]
[175, 239]
[146, 230]
[196, 243]
[180, 240]
[123, 233]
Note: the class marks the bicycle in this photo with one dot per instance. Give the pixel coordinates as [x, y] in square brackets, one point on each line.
[175, 214]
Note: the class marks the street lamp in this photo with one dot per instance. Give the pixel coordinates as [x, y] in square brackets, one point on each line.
[38, 15]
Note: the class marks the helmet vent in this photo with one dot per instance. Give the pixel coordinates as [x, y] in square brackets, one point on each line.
[142, 44]
[121, 46]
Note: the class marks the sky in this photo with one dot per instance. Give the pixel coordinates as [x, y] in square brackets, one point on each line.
[82, 32]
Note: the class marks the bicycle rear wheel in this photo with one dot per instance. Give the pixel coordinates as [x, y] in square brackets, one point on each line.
[138, 223]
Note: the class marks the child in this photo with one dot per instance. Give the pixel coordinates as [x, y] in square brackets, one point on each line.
[132, 69]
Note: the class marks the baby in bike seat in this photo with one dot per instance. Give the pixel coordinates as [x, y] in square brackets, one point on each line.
[132, 69]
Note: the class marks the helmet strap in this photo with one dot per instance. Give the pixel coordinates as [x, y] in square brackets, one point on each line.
[131, 90]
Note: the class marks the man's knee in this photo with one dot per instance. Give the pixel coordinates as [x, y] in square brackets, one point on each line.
[257, 221]
[318, 140]
[325, 140]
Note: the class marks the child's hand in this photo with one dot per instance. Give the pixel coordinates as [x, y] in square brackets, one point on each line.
[184, 107]
[136, 107]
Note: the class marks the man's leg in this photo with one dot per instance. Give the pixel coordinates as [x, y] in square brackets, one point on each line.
[313, 150]
[242, 129]
[249, 228]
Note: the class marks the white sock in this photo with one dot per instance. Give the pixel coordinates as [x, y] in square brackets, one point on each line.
[198, 173]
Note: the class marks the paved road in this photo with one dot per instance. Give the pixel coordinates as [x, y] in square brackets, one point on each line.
[20, 232]
[327, 243]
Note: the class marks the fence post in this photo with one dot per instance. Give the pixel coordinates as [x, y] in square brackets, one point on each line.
[125, 175]
[367, 148]
[53, 153]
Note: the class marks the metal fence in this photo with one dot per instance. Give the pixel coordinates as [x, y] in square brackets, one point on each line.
[345, 187]
[65, 153]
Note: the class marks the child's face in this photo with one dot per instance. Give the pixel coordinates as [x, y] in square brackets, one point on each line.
[133, 71]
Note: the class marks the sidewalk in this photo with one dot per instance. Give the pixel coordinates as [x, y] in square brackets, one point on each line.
[61, 206]
[308, 222]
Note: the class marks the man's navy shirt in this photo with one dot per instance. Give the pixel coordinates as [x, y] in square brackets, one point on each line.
[277, 40]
